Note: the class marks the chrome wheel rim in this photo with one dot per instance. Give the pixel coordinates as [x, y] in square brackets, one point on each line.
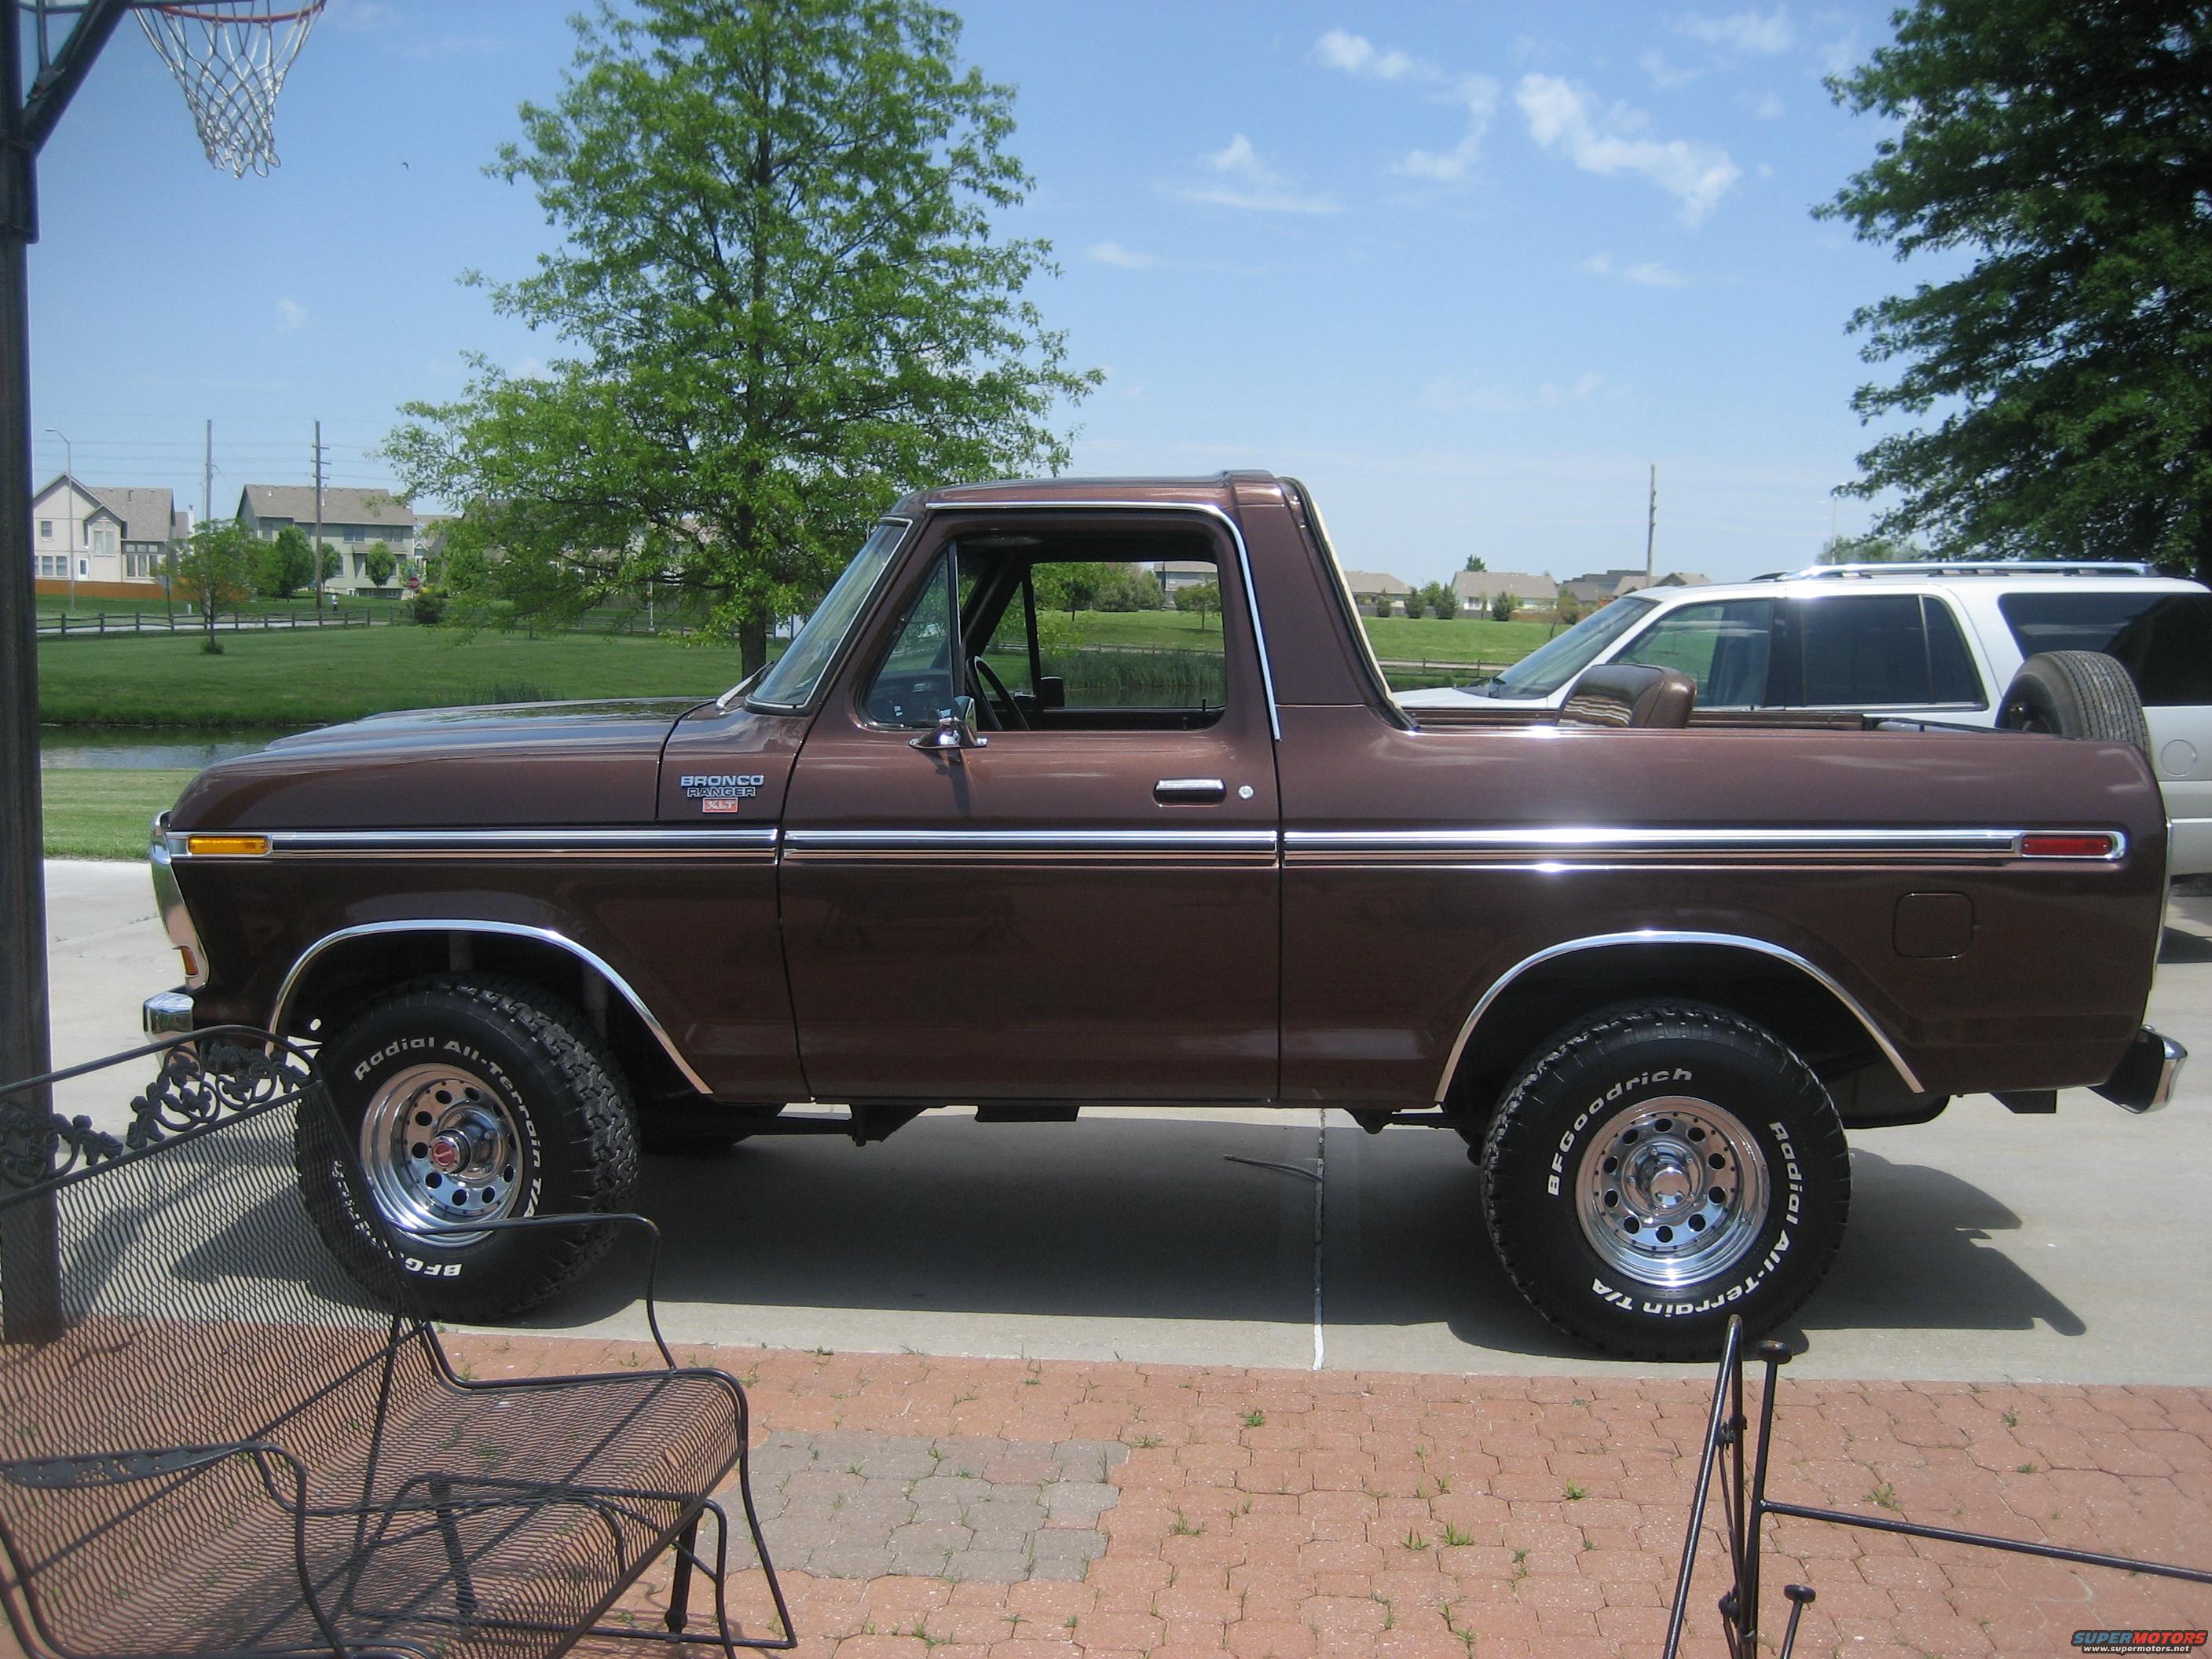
[1672, 1191]
[440, 1149]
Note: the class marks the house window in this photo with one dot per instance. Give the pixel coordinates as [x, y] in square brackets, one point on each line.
[84, 567]
[103, 540]
[54, 565]
[46, 530]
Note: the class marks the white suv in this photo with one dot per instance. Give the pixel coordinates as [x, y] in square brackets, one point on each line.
[1915, 642]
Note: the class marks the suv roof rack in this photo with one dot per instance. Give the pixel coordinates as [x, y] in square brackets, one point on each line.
[1966, 567]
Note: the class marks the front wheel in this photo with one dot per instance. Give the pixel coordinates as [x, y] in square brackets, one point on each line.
[468, 1099]
[1659, 1168]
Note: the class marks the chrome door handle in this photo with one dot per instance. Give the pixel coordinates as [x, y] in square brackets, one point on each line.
[1189, 791]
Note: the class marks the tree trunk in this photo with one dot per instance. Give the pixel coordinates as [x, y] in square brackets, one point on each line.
[752, 643]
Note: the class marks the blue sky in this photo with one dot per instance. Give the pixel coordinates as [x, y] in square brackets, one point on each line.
[1467, 268]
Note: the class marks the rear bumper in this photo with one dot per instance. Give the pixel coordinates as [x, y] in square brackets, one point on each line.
[2147, 1079]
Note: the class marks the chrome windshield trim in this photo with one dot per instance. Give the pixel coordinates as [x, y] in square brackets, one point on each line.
[761, 838]
[510, 929]
[1260, 840]
[1608, 838]
[1666, 936]
[836, 663]
[1205, 509]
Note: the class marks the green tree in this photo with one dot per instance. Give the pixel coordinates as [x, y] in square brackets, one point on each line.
[216, 569]
[380, 562]
[1474, 562]
[1202, 597]
[1872, 548]
[1503, 604]
[330, 563]
[2053, 155]
[1070, 587]
[1442, 600]
[1129, 587]
[787, 303]
[285, 565]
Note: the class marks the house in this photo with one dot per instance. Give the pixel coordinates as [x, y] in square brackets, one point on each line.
[1475, 589]
[1376, 593]
[1596, 588]
[354, 521]
[1176, 574]
[100, 541]
[1683, 578]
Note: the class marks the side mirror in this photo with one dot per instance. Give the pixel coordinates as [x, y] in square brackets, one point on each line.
[955, 730]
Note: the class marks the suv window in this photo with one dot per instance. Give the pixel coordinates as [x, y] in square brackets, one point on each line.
[1880, 650]
[1080, 641]
[1723, 645]
[2163, 640]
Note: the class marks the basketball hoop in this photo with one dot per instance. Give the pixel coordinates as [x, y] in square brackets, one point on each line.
[231, 57]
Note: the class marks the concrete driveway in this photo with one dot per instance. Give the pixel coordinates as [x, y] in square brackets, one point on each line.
[2071, 1249]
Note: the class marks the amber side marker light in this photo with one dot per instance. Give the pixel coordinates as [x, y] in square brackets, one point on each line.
[227, 847]
[2066, 847]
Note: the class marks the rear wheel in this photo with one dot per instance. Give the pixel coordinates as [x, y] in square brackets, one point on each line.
[476, 1098]
[1660, 1167]
[2075, 694]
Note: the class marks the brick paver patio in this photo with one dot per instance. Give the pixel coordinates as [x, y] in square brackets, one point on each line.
[922, 1508]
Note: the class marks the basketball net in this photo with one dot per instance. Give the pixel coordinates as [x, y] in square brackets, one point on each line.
[231, 57]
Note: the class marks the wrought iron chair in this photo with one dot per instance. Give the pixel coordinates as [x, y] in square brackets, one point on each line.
[214, 1440]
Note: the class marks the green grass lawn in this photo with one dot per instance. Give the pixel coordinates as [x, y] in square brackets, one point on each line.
[311, 677]
[105, 815]
[1431, 639]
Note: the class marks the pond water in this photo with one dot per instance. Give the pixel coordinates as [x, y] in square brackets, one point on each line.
[151, 748]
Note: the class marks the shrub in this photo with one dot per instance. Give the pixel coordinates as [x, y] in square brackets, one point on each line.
[1502, 606]
[427, 607]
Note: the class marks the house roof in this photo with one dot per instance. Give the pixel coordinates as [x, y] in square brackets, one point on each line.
[1482, 585]
[143, 511]
[1374, 581]
[297, 503]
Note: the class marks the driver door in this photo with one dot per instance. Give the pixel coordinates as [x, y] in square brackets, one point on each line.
[1085, 904]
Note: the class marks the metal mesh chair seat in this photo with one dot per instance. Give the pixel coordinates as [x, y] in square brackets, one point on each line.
[354, 1495]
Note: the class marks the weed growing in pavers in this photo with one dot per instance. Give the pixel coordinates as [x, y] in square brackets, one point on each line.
[1884, 1495]
[1413, 1540]
[1455, 1539]
[1444, 1485]
[2012, 1419]
[1145, 1442]
[852, 1468]
[823, 1353]
[964, 1399]
[1467, 1635]
[1245, 1508]
[1184, 1528]
[1255, 1419]
[936, 1455]
[1520, 1566]
[1572, 1493]
[2026, 1468]
[1389, 1612]
[1068, 1622]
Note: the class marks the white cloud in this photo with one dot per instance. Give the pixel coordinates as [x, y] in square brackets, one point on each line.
[291, 315]
[1448, 395]
[1112, 253]
[1476, 95]
[1744, 32]
[1765, 106]
[1239, 177]
[1646, 273]
[1356, 55]
[1664, 75]
[1563, 117]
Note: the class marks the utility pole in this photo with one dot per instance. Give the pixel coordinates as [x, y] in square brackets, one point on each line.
[1651, 525]
[69, 470]
[319, 517]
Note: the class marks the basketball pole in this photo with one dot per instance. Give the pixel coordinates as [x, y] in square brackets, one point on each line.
[27, 120]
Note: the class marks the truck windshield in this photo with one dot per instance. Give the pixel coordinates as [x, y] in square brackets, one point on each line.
[1553, 663]
[791, 679]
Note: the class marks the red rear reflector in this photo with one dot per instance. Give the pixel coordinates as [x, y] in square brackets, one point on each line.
[2065, 847]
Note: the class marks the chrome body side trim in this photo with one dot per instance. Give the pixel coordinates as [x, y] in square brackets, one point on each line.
[1205, 509]
[646, 839]
[169, 899]
[1668, 936]
[1031, 841]
[1529, 840]
[591, 959]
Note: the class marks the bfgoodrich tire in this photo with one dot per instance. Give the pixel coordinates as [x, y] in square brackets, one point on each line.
[1660, 1167]
[475, 1097]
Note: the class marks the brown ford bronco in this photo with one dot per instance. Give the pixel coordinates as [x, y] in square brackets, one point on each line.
[1651, 962]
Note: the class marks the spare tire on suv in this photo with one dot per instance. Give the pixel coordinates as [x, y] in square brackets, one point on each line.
[2075, 694]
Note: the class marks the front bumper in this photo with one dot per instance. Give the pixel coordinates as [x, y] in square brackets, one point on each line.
[167, 1013]
[2147, 1079]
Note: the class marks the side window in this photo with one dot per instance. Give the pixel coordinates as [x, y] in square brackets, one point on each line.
[1119, 644]
[1723, 646]
[1864, 651]
[1951, 671]
[916, 682]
